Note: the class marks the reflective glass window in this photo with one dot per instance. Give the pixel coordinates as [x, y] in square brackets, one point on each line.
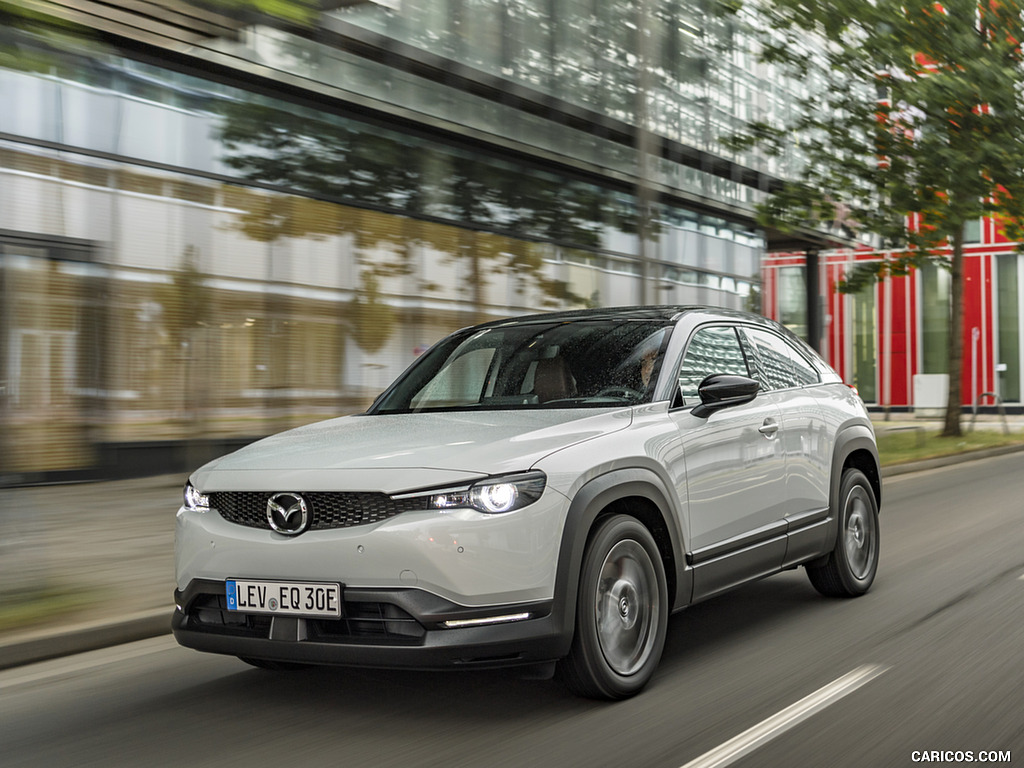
[934, 318]
[583, 364]
[972, 231]
[865, 343]
[1008, 292]
[793, 299]
[779, 364]
[711, 350]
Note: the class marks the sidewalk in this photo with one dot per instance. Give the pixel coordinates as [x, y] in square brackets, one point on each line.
[115, 540]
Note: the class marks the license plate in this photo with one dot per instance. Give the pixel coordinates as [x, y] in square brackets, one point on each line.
[285, 598]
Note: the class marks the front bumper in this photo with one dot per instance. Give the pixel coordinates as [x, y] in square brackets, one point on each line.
[464, 556]
[397, 628]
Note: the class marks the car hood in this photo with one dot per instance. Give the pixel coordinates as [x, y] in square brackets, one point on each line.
[393, 453]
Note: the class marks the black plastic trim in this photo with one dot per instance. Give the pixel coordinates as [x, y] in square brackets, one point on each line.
[807, 542]
[736, 544]
[587, 504]
[530, 641]
[752, 562]
[849, 439]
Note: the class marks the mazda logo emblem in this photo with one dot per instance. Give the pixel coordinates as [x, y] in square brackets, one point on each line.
[287, 513]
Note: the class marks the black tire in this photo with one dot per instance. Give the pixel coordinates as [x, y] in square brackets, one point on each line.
[621, 612]
[850, 568]
[274, 666]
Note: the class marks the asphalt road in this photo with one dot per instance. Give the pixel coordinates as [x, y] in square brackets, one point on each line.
[930, 660]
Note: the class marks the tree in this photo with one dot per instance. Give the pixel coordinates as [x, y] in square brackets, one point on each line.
[29, 35]
[54, 25]
[914, 127]
[354, 164]
[39, 35]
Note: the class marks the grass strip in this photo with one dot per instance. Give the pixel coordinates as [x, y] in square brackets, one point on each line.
[41, 605]
[901, 445]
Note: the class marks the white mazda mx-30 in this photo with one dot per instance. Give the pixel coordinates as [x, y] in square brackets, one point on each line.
[541, 491]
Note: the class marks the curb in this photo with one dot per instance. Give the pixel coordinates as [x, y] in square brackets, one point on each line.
[40, 645]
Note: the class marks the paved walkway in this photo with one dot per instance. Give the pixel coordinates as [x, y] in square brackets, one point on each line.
[115, 540]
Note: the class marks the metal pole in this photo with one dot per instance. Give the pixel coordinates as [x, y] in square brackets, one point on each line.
[644, 193]
[975, 335]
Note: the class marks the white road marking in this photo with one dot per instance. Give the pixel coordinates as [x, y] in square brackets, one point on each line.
[71, 665]
[777, 724]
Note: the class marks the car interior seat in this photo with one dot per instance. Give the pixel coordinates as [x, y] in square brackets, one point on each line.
[553, 380]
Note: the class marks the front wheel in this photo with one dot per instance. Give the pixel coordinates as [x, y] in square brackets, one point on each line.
[850, 568]
[621, 612]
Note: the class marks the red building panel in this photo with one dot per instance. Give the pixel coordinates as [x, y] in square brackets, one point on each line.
[898, 320]
[899, 343]
[972, 329]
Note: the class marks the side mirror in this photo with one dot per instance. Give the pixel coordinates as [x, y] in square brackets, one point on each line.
[722, 390]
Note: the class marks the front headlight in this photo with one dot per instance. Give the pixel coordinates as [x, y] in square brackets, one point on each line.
[196, 501]
[493, 496]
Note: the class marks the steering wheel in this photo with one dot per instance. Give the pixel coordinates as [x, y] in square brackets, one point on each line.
[618, 391]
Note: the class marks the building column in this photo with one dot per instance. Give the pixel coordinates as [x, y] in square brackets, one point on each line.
[811, 281]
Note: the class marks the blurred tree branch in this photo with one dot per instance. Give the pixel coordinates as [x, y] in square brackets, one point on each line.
[913, 125]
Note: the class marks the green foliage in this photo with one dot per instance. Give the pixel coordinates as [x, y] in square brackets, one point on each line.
[913, 126]
[295, 11]
[185, 300]
[915, 110]
[29, 34]
[29, 607]
[352, 163]
[49, 26]
[373, 320]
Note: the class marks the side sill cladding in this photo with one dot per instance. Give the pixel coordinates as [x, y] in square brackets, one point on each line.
[586, 506]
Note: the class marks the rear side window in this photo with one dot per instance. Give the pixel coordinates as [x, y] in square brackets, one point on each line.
[779, 365]
[714, 349]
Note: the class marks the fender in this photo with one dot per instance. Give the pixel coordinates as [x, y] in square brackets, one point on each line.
[584, 509]
[849, 439]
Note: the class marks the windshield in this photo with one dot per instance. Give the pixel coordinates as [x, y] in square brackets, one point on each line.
[579, 364]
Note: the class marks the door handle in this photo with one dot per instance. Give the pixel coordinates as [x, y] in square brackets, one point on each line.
[769, 428]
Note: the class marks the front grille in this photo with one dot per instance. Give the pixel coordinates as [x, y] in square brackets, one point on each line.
[327, 509]
[370, 622]
[377, 623]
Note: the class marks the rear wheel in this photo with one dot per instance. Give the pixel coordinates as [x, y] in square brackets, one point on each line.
[621, 612]
[850, 568]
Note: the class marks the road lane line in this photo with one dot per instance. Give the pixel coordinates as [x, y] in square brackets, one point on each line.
[44, 670]
[777, 724]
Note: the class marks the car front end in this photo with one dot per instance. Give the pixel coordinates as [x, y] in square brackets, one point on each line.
[425, 532]
[373, 558]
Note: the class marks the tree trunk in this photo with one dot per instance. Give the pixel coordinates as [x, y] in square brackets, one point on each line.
[956, 338]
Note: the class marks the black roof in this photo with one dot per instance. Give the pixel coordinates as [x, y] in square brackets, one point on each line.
[658, 312]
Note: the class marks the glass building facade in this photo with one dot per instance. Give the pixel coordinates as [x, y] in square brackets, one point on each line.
[214, 230]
